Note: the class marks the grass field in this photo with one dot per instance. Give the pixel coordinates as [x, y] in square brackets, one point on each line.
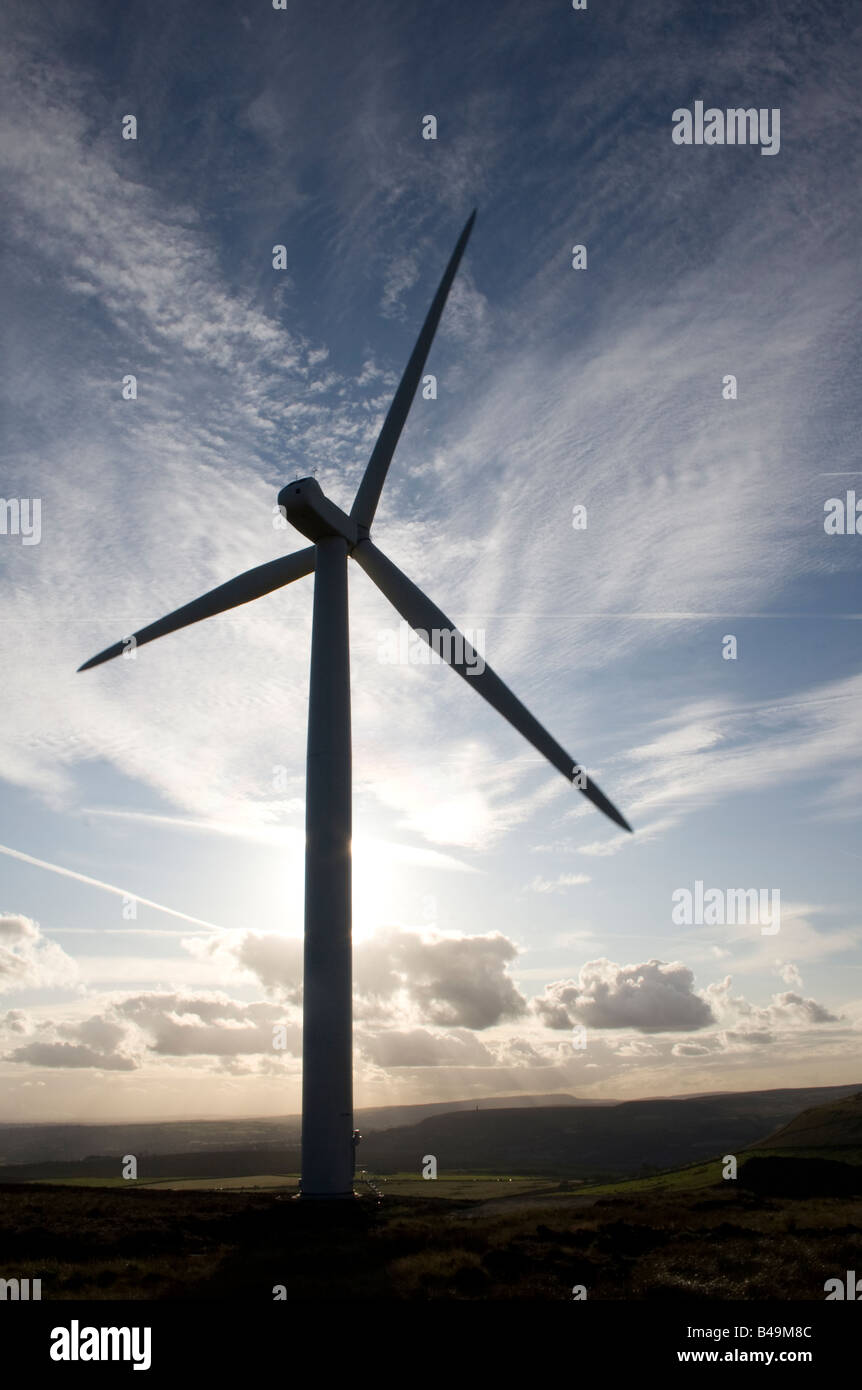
[474, 1186]
[469, 1186]
[686, 1234]
[777, 1232]
[452, 1186]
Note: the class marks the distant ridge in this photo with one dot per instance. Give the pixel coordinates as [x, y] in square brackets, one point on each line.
[388, 1116]
[835, 1125]
[616, 1140]
[569, 1140]
[29, 1143]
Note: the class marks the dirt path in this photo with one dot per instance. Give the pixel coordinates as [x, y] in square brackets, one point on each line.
[503, 1205]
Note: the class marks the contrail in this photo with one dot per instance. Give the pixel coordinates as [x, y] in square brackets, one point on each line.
[108, 887]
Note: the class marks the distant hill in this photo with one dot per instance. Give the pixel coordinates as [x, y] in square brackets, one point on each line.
[835, 1125]
[70, 1143]
[567, 1140]
[621, 1139]
[388, 1116]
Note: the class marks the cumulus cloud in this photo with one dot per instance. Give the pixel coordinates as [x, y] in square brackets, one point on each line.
[792, 1008]
[458, 981]
[60, 1054]
[28, 960]
[137, 1027]
[207, 1024]
[453, 981]
[419, 1047]
[652, 998]
[96, 1042]
[785, 1011]
[456, 1047]
[275, 960]
[790, 974]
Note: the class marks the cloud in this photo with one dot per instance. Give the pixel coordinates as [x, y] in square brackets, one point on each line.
[262, 825]
[456, 1047]
[653, 998]
[690, 1049]
[793, 1008]
[742, 1040]
[96, 1042]
[636, 1047]
[178, 1025]
[614, 843]
[786, 1013]
[450, 980]
[153, 257]
[790, 974]
[402, 274]
[727, 747]
[420, 1048]
[59, 1054]
[135, 1029]
[556, 885]
[138, 261]
[28, 960]
[459, 981]
[275, 960]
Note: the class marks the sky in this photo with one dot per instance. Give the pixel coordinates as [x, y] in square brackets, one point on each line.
[508, 938]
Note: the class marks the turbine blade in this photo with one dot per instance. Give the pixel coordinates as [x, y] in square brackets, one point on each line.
[371, 486]
[254, 583]
[428, 620]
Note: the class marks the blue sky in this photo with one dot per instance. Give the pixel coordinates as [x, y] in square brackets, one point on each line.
[495, 910]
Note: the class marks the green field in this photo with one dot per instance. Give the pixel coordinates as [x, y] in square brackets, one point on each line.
[676, 1235]
[473, 1186]
[252, 1184]
[456, 1186]
[791, 1220]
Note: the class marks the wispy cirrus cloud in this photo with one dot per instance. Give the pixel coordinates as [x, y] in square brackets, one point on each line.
[555, 388]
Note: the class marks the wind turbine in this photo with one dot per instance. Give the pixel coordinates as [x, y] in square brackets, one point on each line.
[327, 1054]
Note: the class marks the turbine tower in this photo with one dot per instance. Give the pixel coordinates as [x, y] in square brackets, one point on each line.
[327, 1053]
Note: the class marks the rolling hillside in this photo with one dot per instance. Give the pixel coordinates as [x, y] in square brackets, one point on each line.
[628, 1138]
[564, 1141]
[836, 1125]
[69, 1143]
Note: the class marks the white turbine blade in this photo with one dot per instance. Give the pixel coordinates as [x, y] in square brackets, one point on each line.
[427, 621]
[254, 583]
[368, 492]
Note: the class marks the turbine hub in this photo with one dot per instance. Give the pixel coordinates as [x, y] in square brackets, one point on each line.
[306, 507]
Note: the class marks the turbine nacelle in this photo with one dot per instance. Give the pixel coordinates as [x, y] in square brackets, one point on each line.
[304, 504]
